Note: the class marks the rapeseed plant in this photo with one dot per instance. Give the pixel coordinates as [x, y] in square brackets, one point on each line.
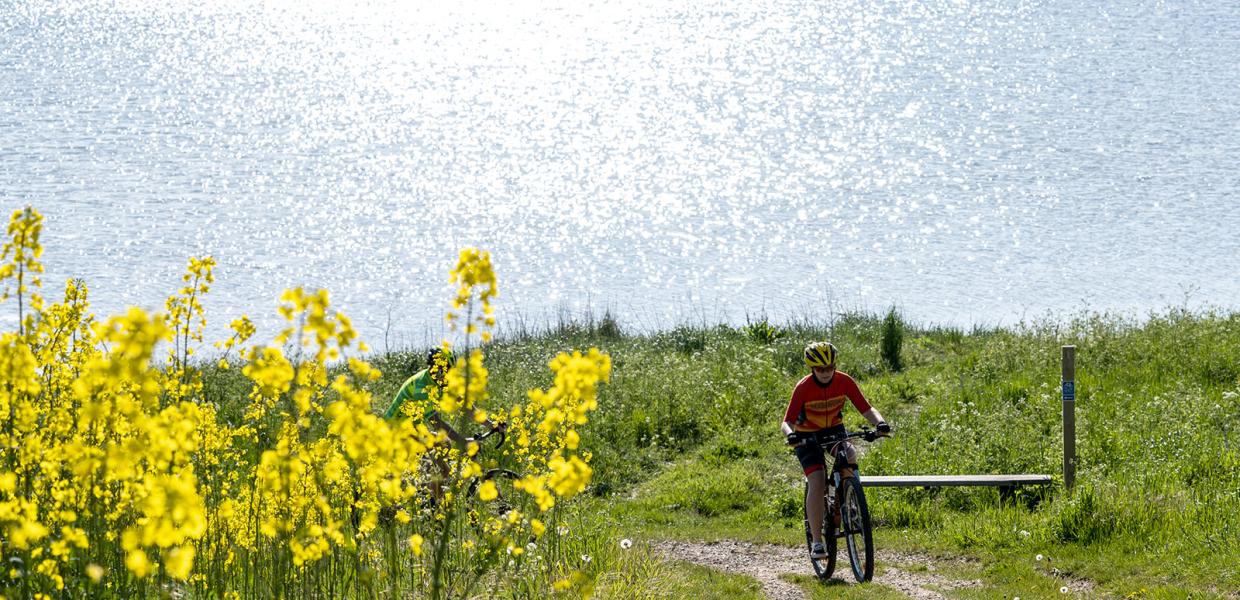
[119, 479]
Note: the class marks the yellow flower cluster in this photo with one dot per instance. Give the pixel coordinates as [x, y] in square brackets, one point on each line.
[474, 275]
[117, 474]
[187, 320]
[466, 382]
[90, 454]
[327, 443]
[19, 260]
[546, 427]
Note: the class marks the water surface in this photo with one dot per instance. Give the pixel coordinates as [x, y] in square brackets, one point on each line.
[969, 162]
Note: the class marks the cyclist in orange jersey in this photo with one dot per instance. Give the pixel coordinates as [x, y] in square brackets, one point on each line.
[816, 412]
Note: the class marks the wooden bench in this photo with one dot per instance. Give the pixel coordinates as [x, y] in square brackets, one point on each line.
[1007, 484]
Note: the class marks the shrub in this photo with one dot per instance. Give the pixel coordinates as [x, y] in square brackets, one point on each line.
[764, 332]
[608, 328]
[688, 339]
[893, 337]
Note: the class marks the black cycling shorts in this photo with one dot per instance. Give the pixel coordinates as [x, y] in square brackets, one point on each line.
[811, 456]
[810, 453]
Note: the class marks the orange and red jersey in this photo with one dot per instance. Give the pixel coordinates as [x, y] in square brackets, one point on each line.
[815, 406]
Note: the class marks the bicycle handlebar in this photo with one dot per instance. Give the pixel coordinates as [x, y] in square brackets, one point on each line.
[867, 434]
[497, 430]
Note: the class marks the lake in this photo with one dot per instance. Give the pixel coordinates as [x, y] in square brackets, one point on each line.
[667, 161]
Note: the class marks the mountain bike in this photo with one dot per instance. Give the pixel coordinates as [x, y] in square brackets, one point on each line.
[844, 499]
[428, 498]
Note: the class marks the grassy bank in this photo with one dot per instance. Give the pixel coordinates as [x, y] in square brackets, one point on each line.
[685, 442]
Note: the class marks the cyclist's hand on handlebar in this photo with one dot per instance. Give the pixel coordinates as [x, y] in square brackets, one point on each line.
[884, 429]
[792, 439]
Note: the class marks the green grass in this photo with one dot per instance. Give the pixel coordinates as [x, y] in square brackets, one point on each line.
[642, 578]
[686, 445]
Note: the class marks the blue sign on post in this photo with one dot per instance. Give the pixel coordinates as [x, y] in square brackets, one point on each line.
[1069, 390]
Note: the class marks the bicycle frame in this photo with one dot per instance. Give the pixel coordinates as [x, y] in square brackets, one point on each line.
[495, 475]
[843, 496]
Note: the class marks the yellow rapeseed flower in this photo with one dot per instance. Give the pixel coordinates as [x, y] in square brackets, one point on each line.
[19, 259]
[137, 563]
[26, 531]
[487, 491]
[568, 477]
[179, 562]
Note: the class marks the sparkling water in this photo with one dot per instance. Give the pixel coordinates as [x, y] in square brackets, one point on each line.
[667, 161]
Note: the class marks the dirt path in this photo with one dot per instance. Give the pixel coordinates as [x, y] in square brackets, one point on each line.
[767, 562]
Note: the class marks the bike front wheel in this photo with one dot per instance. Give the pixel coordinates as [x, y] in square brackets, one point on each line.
[855, 529]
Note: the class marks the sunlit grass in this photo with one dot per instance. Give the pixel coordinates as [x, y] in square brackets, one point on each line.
[693, 452]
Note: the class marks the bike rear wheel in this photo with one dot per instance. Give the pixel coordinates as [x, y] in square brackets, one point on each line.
[506, 494]
[855, 529]
[823, 567]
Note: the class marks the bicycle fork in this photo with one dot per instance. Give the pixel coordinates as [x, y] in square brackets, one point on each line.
[833, 501]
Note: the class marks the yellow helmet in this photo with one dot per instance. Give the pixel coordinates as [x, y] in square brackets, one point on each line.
[439, 362]
[820, 354]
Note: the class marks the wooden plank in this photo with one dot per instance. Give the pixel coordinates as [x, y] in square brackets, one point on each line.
[952, 480]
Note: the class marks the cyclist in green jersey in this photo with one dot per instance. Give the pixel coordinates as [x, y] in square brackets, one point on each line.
[416, 390]
[416, 393]
[414, 396]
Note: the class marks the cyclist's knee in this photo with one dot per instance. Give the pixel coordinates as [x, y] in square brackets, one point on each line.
[852, 453]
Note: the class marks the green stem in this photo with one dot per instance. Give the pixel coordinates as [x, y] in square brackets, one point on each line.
[441, 544]
[21, 278]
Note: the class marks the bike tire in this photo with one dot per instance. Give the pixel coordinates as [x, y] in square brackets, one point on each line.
[505, 485]
[856, 529]
[507, 498]
[823, 567]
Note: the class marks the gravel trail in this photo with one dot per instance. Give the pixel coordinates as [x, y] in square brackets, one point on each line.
[766, 562]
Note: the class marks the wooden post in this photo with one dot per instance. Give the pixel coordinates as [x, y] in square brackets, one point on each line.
[1069, 416]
